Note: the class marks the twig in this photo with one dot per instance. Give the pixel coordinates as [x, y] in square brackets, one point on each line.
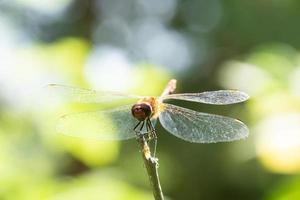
[150, 162]
[151, 165]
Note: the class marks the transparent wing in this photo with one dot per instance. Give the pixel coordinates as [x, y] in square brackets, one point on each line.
[220, 97]
[199, 127]
[80, 95]
[114, 124]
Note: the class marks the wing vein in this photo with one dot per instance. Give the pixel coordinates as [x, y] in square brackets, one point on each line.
[200, 127]
[220, 97]
[114, 124]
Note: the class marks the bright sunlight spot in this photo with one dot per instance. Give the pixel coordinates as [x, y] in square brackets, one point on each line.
[108, 68]
[45, 6]
[294, 82]
[245, 77]
[278, 143]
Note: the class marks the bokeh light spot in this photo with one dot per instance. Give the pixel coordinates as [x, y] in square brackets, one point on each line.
[278, 143]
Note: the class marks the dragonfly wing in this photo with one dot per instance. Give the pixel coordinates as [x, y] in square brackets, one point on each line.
[114, 124]
[220, 97]
[81, 95]
[199, 127]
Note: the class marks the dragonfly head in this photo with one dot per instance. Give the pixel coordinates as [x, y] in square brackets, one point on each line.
[141, 111]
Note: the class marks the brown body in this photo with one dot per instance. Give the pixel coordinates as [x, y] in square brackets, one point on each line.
[148, 107]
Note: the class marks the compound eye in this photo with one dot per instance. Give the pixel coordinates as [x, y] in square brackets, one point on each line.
[141, 111]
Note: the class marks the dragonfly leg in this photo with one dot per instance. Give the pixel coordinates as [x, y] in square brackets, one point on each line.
[155, 143]
[149, 132]
[152, 134]
[142, 126]
[138, 129]
[140, 135]
[135, 128]
[151, 125]
[152, 129]
[148, 135]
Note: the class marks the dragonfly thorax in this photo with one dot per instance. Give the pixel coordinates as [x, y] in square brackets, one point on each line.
[141, 111]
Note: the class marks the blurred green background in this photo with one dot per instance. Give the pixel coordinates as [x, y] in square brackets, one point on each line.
[136, 46]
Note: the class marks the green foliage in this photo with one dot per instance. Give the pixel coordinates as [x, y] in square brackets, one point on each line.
[137, 46]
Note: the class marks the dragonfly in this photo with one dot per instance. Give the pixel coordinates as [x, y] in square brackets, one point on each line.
[138, 119]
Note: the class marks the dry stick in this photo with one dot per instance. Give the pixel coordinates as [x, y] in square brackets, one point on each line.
[151, 165]
[150, 162]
